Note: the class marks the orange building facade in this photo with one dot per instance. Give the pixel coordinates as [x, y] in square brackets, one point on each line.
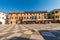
[28, 17]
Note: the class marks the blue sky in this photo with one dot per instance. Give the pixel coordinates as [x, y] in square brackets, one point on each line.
[28, 5]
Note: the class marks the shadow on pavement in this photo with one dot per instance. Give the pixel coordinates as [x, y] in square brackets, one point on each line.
[50, 34]
[19, 38]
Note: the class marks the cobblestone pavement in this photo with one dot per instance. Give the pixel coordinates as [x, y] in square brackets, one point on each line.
[30, 31]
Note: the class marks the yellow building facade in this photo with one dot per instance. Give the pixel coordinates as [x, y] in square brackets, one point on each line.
[27, 17]
[55, 15]
[35, 16]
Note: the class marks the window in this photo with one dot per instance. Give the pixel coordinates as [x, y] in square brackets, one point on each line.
[16, 17]
[11, 22]
[30, 17]
[52, 12]
[33, 17]
[27, 13]
[24, 14]
[57, 16]
[3, 13]
[34, 14]
[44, 16]
[56, 11]
[11, 17]
[0, 22]
[21, 13]
[24, 17]
[52, 16]
[16, 14]
[30, 13]
[2, 17]
[27, 17]
[39, 13]
[39, 17]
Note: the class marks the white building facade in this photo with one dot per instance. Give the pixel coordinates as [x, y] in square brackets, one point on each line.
[2, 17]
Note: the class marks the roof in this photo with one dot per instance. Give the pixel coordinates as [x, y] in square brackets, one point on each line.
[35, 11]
[54, 10]
[29, 12]
[15, 12]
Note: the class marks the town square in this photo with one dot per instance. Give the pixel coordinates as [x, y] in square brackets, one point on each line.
[29, 19]
[26, 31]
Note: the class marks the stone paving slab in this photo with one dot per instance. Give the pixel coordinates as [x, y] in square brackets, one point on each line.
[26, 31]
[14, 35]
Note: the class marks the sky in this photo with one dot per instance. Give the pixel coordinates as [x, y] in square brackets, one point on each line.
[28, 5]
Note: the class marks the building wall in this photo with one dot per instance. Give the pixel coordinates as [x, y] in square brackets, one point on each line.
[38, 14]
[2, 17]
[27, 16]
[13, 17]
[55, 15]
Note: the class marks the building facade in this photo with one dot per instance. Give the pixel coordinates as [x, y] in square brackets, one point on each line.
[28, 17]
[2, 18]
[55, 15]
[12, 17]
[35, 17]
